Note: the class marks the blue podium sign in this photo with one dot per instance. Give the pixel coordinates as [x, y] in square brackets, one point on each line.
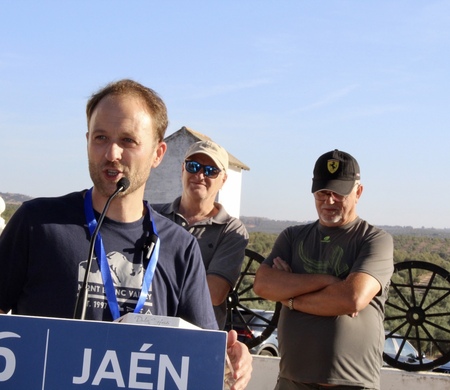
[56, 354]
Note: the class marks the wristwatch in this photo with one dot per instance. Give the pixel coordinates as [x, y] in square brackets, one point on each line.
[291, 304]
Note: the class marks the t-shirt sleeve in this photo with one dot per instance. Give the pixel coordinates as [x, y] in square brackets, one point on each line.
[195, 300]
[376, 257]
[229, 255]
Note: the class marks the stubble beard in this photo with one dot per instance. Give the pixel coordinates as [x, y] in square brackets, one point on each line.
[106, 189]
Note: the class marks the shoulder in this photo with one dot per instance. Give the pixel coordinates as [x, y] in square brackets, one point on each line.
[295, 230]
[42, 215]
[167, 209]
[372, 231]
[161, 208]
[170, 229]
[373, 237]
[233, 223]
[55, 201]
[46, 207]
[294, 233]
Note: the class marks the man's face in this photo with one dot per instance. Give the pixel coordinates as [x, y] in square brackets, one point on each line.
[334, 213]
[199, 187]
[121, 142]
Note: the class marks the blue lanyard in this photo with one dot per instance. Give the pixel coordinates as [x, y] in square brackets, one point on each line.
[152, 256]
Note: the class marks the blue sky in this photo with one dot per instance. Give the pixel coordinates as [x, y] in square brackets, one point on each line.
[277, 83]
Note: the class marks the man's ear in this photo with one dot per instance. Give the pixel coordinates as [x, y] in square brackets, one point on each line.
[159, 154]
[359, 191]
[225, 177]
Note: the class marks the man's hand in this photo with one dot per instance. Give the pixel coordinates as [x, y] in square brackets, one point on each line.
[280, 264]
[241, 361]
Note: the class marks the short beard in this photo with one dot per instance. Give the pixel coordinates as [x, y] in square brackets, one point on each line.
[333, 220]
[104, 188]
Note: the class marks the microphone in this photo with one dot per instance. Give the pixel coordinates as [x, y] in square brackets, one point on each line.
[81, 305]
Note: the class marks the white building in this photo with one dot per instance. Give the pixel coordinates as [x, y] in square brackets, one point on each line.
[164, 184]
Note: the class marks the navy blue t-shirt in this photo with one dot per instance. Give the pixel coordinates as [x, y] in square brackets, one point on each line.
[44, 250]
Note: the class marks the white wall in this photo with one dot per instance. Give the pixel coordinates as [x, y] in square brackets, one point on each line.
[230, 195]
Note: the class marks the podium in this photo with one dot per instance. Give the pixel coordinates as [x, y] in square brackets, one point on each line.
[38, 353]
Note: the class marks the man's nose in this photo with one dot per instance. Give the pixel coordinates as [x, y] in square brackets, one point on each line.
[330, 199]
[114, 152]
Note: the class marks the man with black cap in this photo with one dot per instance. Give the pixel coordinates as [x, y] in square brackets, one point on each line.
[222, 238]
[332, 277]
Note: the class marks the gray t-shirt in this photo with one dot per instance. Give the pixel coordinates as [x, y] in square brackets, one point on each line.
[337, 350]
[222, 241]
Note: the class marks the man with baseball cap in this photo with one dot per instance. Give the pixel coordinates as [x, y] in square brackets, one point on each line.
[332, 277]
[336, 176]
[336, 171]
[222, 238]
[209, 148]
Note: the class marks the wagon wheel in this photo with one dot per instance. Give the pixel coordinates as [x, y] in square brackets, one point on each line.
[242, 300]
[418, 310]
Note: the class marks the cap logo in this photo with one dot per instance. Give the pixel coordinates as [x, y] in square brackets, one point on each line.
[332, 165]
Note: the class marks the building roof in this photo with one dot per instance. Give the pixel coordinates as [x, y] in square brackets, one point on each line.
[233, 161]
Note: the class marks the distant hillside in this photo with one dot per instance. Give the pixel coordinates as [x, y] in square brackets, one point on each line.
[12, 201]
[14, 198]
[265, 225]
[260, 224]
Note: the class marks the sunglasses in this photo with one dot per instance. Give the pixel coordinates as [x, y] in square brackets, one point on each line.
[208, 170]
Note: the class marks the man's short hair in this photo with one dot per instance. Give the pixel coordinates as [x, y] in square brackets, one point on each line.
[126, 87]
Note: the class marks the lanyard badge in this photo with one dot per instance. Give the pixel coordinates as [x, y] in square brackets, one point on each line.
[151, 255]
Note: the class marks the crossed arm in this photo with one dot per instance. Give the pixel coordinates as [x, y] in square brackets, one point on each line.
[318, 294]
